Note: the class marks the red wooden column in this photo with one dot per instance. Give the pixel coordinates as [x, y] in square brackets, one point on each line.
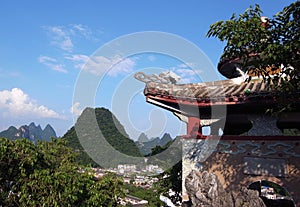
[194, 128]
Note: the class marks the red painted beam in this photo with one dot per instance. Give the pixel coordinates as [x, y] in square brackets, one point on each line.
[251, 138]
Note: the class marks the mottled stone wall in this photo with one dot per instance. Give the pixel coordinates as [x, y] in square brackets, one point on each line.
[238, 163]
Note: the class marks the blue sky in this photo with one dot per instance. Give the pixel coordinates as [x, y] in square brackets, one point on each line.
[44, 45]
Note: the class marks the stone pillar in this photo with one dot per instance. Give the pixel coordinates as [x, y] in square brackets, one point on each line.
[187, 164]
[195, 152]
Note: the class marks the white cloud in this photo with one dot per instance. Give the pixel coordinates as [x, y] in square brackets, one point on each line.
[78, 60]
[47, 59]
[63, 37]
[114, 66]
[60, 37]
[83, 30]
[16, 103]
[67, 44]
[187, 74]
[75, 109]
[52, 64]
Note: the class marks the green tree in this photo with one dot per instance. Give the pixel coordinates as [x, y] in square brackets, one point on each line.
[262, 47]
[46, 174]
[171, 179]
[151, 195]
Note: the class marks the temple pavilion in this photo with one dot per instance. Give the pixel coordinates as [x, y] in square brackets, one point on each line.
[254, 146]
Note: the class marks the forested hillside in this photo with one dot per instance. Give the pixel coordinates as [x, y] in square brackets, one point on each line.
[111, 129]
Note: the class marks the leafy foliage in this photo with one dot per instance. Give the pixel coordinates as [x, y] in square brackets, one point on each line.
[72, 141]
[264, 48]
[171, 179]
[115, 133]
[46, 174]
[151, 195]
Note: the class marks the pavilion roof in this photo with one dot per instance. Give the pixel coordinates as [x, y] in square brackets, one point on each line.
[217, 91]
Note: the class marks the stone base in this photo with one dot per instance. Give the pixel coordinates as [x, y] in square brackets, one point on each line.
[205, 190]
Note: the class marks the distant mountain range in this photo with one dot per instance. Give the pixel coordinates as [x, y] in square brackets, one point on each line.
[146, 145]
[110, 127]
[30, 132]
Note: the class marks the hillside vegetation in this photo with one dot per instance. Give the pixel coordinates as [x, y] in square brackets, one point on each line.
[108, 125]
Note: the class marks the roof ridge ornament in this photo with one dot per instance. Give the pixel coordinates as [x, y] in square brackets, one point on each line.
[165, 77]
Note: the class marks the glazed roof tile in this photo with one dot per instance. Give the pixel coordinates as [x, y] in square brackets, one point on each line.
[226, 90]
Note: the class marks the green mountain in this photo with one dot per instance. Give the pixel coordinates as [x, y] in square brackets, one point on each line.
[10, 133]
[30, 132]
[48, 132]
[146, 145]
[91, 136]
[166, 138]
[143, 138]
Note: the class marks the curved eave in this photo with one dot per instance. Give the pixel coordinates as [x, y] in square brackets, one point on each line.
[193, 107]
